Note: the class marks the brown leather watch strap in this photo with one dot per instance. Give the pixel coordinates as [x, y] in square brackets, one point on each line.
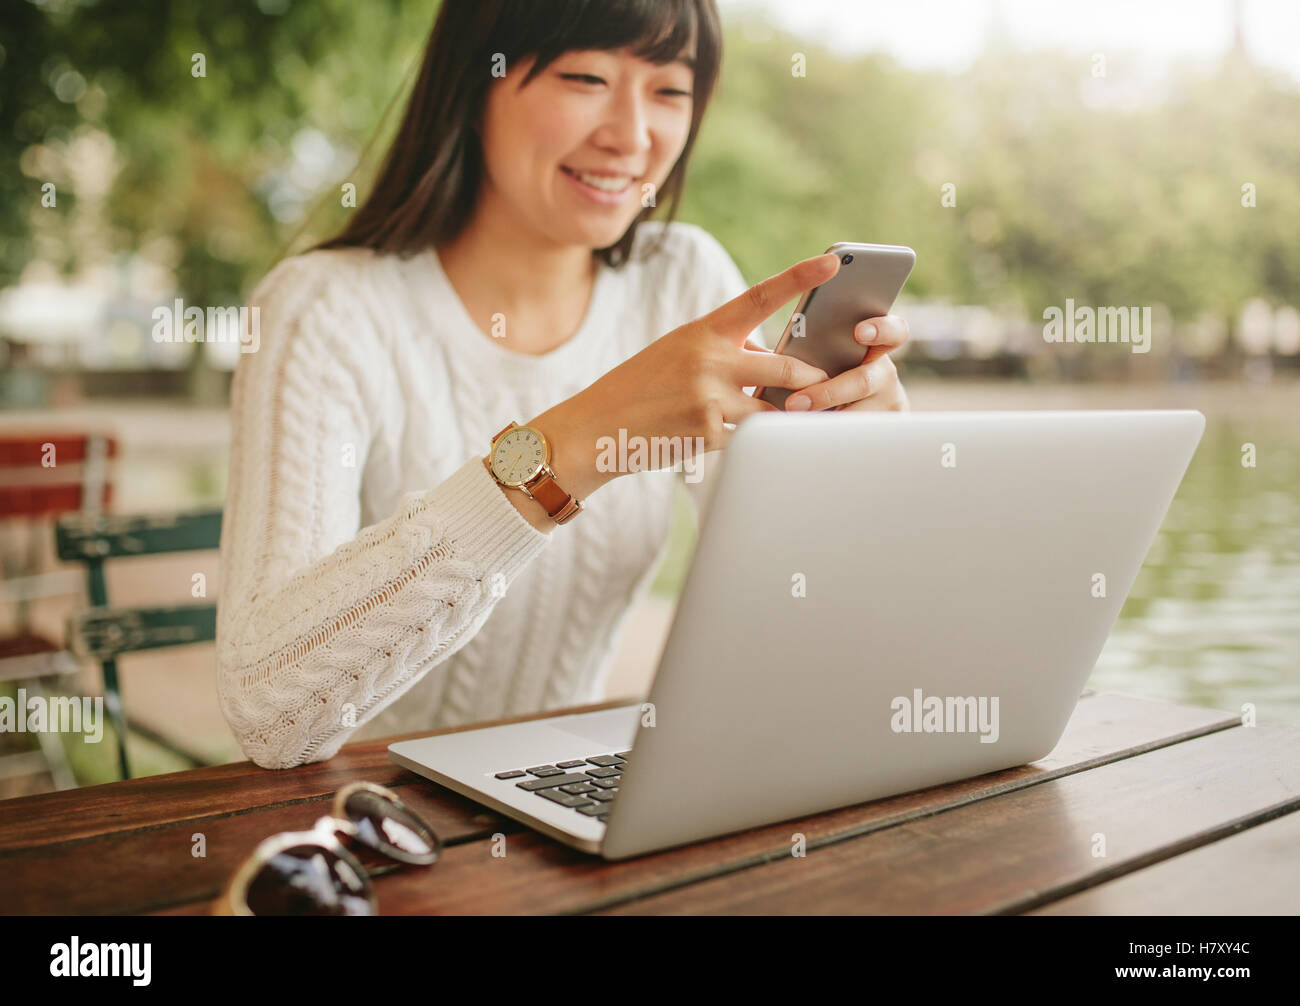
[560, 506]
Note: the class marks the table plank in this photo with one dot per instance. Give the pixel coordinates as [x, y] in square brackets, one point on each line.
[203, 793]
[141, 858]
[1027, 847]
[143, 870]
[1253, 872]
[540, 875]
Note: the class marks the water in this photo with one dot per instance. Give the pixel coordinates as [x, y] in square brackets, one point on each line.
[1214, 616]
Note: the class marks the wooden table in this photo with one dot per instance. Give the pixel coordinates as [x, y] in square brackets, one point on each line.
[1144, 807]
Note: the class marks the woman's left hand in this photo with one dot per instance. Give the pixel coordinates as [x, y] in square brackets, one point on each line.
[873, 383]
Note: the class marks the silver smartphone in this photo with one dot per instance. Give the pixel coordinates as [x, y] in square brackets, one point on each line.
[820, 331]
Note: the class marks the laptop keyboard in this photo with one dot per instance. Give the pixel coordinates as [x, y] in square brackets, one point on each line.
[587, 785]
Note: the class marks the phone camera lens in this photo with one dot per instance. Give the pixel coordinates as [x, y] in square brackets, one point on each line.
[846, 259]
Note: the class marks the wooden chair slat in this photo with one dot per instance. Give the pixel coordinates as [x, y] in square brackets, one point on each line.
[28, 450]
[106, 632]
[106, 536]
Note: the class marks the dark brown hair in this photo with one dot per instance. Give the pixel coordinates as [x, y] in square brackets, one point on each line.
[426, 190]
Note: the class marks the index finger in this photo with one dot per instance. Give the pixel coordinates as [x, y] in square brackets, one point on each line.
[741, 315]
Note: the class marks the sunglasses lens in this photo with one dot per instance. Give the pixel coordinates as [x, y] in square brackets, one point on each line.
[309, 880]
[390, 828]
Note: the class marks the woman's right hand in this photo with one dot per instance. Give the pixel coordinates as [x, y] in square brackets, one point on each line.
[686, 384]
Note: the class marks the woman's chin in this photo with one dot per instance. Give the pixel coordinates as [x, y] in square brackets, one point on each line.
[600, 236]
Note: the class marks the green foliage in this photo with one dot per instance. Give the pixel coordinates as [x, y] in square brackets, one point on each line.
[197, 155]
[1061, 190]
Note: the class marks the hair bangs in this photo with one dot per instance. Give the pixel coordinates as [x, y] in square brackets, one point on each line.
[654, 30]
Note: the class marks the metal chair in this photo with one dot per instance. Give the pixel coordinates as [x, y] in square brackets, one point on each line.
[104, 632]
[41, 477]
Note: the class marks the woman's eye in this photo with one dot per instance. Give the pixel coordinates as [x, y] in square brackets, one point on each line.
[591, 78]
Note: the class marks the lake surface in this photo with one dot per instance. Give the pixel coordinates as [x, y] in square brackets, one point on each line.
[1214, 616]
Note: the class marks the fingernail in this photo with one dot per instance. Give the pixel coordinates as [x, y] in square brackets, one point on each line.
[797, 403]
[866, 333]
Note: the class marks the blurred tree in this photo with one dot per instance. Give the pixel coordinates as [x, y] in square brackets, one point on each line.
[226, 119]
[1059, 189]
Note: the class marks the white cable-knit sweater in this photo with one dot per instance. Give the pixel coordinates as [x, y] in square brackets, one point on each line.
[363, 537]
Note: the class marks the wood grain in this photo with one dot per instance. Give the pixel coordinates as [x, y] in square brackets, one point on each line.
[201, 793]
[1027, 847]
[127, 847]
[1252, 872]
[538, 875]
[145, 869]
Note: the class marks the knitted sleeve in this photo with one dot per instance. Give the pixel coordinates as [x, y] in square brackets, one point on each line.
[322, 623]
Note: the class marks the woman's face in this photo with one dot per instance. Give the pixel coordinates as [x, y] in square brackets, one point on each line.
[604, 113]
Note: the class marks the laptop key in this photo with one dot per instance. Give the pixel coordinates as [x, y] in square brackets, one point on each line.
[564, 799]
[542, 770]
[603, 760]
[570, 764]
[546, 782]
[622, 754]
[601, 773]
[602, 795]
[578, 787]
[514, 773]
[594, 810]
[606, 783]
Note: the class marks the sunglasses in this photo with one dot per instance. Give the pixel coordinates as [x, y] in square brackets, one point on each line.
[314, 873]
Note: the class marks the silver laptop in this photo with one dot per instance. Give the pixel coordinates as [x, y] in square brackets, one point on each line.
[878, 603]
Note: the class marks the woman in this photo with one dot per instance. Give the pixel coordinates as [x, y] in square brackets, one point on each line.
[379, 578]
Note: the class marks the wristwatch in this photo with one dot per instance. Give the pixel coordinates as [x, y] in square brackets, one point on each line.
[520, 458]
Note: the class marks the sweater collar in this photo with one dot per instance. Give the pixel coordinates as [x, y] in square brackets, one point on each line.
[473, 340]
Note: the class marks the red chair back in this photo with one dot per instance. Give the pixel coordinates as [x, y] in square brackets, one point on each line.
[47, 475]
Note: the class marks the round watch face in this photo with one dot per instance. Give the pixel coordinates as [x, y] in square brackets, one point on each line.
[518, 456]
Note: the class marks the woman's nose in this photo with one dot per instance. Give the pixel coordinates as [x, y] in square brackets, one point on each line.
[628, 126]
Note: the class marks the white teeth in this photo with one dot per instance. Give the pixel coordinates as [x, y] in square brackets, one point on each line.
[604, 184]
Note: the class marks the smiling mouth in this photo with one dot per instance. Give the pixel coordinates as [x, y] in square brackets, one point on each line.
[605, 183]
